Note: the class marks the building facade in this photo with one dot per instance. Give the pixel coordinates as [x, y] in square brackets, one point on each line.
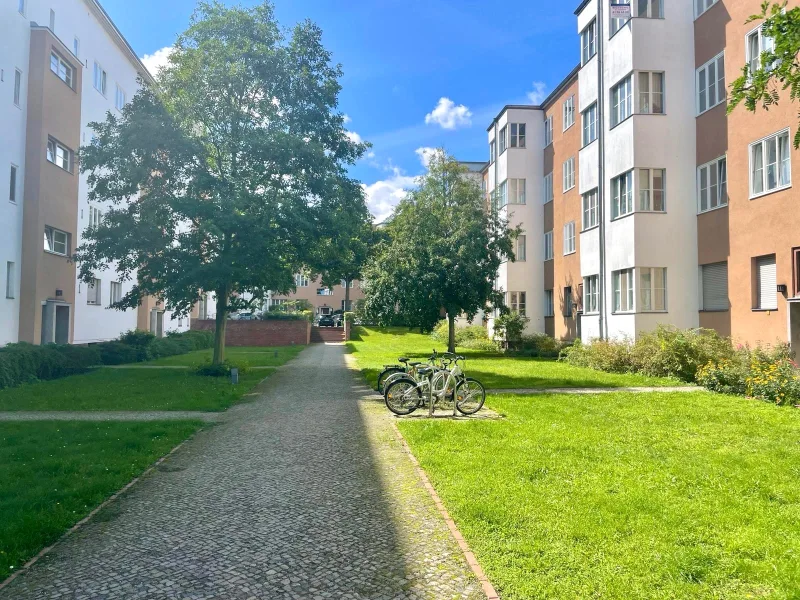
[645, 203]
[64, 65]
[324, 300]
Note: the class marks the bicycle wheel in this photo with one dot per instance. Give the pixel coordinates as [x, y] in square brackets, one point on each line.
[394, 377]
[384, 374]
[403, 396]
[470, 396]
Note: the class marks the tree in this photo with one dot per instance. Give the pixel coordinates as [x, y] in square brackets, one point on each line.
[443, 250]
[778, 69]
[218, 175]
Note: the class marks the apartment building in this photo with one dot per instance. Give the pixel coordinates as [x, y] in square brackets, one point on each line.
[63, 65]
[645, 202]
[324, 300]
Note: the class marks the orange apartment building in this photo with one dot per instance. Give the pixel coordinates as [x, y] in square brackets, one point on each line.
[324, 300]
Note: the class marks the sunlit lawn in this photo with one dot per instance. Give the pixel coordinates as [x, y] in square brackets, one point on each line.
[52, 474]
[624, 496]
[254, 356]
[374, 347]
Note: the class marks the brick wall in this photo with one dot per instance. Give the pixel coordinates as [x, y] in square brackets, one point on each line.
[260, 333]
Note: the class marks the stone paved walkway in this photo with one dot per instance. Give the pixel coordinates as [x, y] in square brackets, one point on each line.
[303, 493]
[111, 415]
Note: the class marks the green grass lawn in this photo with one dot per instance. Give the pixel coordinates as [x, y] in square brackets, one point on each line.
[373, 348]
[53, 474]
[131, 389]
[254, 356]
[624, 496]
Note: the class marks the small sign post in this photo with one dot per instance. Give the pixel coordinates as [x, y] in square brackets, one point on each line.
[620, 11]
[234, 375]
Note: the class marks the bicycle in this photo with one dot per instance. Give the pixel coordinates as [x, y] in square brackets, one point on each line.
[392, 370]
[405, 394]
[409, 371]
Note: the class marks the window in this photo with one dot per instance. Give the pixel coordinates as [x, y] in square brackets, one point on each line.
[324, 292]
[517, 302]
[56, 241]
[17, 86]
[12, 184]
[549, 307]
[621, 101]
[569, 238]
[21, 6]
[770, 164]
[119, 98]
[59, 155]
[11, 280]
[301, 280]
[100, 78]
[503, 139]
[616, 24]
[492, 150]
[502, 195]
[712, 185]
[652, 194]
[652, 289]
[796, 271]
[548, 188]
[623, 290]
[517, 135]
[589, 124]
[95, 216]
[755, 45]
[711, 84]
[344, 284]
[766, 283]
[590, 210]
[548, 131]
[93, 295]
[702, 6]
[516, 191]
[649, 9]
[566, 309]
[548, 245]
[589, 42]
[521, 252]
[714, 287]
[569, 174]
[651, 93]
[76, 46]
[569, 112]
[61, 68]
[116, 291]
[622, 195]
[590, 294]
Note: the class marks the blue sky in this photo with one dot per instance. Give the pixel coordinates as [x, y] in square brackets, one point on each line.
[400, 59]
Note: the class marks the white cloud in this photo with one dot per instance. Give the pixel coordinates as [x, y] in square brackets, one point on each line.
[425, 154]
[347, 119]
[154, 62]
[449, 116]
[384, 195]
[353, 137]
[539, 92]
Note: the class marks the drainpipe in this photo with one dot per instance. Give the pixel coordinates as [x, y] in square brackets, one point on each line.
[601, 280]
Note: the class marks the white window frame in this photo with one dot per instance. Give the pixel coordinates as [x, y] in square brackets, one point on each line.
[549, 304]
[568, 112]
[55, 238]
[301, 280]
[94, 293]
[719, 167]
[521, 250]
[100, 78]
[655, 288]
[548, 131]
[95, 217]
[17, 88]
[517, 302]
[647, 14]
[503, 139]
[13, 183]
[115, 292]
[648, 99]
[590, 210]
[517, 135]
[11, 280]
[589, 42]
[63, 69]
[589, 125]
[492, 152]
[620, 200]
[569, 238]
[701, 6]
[764, 44]
[548, 246]
[516, 191]
[591, 295]
[705, 87]
[621, 106]
[323, 291]
[623, 298]
[119, 98]
[56, 154]
[646, 185]
[548, 188]
[780, 159]
[569, 174]
[773, 293]
[501, 198]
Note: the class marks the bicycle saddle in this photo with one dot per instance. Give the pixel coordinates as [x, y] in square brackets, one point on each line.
[402, 359]
[425, 370]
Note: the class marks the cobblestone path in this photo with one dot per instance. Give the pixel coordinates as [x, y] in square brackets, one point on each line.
[302, 493]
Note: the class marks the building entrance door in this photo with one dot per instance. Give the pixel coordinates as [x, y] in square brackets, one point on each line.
[157, 323]
[62, 325]
[794, 327]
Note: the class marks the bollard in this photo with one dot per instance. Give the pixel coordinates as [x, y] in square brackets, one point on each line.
[234, 375]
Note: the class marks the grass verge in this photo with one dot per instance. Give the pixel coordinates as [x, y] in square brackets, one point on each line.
[374, 347]
[53, 474]
[624, 496]
[254, 356]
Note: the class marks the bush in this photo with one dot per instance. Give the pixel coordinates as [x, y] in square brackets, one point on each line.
[509, 326]
[471, 336]
[539, 345]
[118, 353]
[23, 363]
[613, 356]
[138, 338]
[773, 377]
[221, 370]
[679, 353]
[728, 376]
[284, 316]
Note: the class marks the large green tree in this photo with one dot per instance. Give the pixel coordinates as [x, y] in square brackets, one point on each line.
[777, 69]
[221, 174]
[443, 250]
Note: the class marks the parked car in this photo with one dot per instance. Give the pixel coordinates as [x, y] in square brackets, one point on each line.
[326, 321]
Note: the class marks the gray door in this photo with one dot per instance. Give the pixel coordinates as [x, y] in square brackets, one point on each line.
[794, 327]
[62, 325]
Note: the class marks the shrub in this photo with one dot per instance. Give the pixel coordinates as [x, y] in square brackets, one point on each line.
[138, 338]
[728, 376]
[679, 353]
[118, 353]
[509, 326]
[539, 345]
[82, 357]
[221, 370]
[284, 316]
[471, 336]
[773, 376]
[23, 363]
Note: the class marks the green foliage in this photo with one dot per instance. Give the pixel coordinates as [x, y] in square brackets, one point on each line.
[350, 317]
[137, 337]
[539, 345]
[442, 252]
[470, 336]
[304, 315]
[240, 138]
[221, 369]
[509, 326]
[23, 363]
[611, 356]
[292, 306]
[119, 353]
[779, 70]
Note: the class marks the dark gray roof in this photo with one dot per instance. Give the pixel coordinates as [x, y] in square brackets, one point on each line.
[581, 6]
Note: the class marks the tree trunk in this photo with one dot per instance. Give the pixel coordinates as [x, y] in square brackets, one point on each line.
[221, 326]
[346, 295]
[451, 338]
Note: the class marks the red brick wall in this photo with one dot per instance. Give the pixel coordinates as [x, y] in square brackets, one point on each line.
[260, 333]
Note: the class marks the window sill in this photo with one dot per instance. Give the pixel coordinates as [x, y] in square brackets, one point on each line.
[568, 189]
[710, 210]
[716, 310]
[570, 253]
[623, 313]
[548, 259]
[589, 144]
[55, 253]
[625, 216]
[653, 312]
[591, 314]
[774, 191]
[764, 309]
[710, 108]
[628, 118]
[568, 128]
[592, 228]
[93, 304]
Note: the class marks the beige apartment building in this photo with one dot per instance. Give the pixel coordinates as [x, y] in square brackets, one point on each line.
[324, 300]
